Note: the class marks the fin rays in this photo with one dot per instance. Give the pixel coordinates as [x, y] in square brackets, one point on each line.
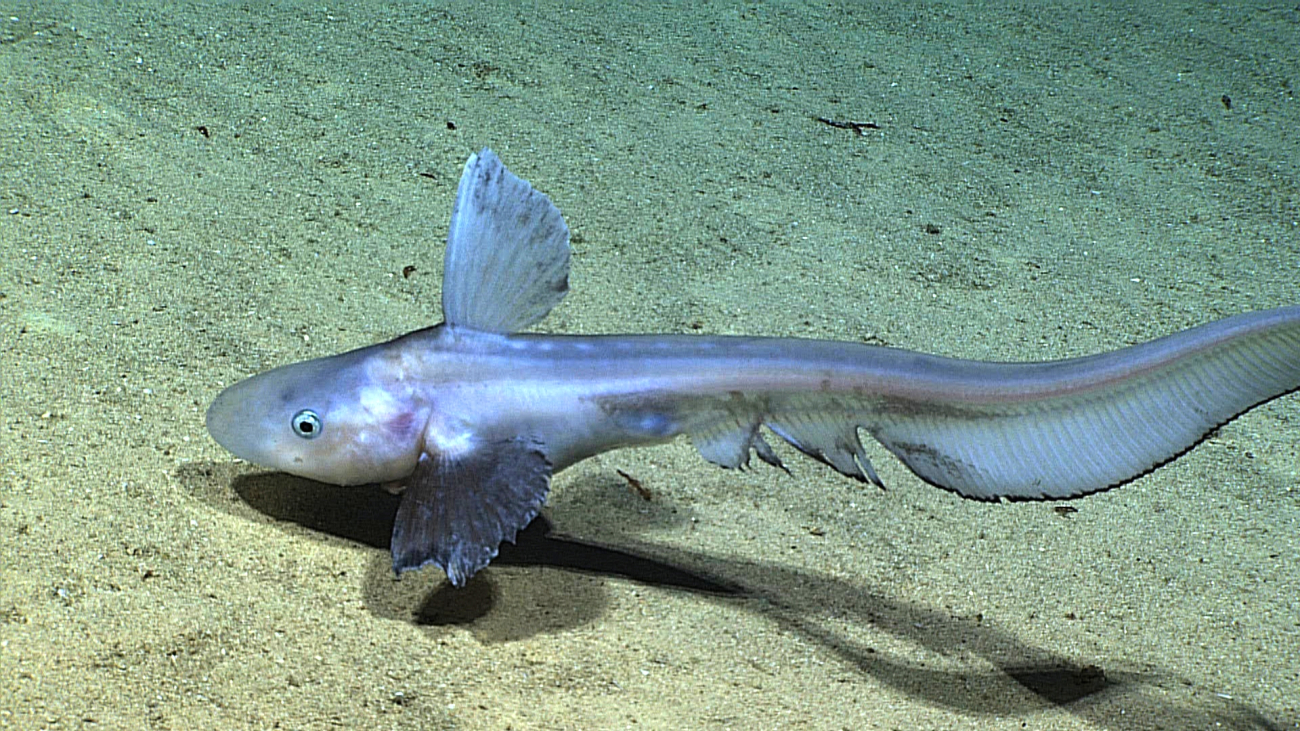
[507, 259]
[1074, 445]
[1082, 432]
[455, 514]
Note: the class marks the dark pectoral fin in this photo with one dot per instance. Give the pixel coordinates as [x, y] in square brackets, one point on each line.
[455, 513]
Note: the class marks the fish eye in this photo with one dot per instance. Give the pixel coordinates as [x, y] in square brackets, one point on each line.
[307, 424]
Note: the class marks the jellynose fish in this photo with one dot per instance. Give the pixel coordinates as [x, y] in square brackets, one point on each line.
[471, 418]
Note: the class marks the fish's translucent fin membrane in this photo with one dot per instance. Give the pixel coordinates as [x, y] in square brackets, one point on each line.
[1106, 424]
[728, 442]
[507, 260]
[828, 440]
[1018, 431]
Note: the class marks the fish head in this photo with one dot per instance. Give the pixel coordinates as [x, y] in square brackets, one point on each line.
[329, 419]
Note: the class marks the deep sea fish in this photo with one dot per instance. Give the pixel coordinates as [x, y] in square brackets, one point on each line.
[471, 418]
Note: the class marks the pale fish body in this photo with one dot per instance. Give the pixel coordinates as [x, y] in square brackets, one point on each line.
[472, 418]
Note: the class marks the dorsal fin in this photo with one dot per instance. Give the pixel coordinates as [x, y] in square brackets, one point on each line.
[507, 261]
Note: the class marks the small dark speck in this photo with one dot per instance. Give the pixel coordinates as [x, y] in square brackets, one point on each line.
[1227, 102]
[451, 125]
[932, 229]
[203, 130]
[407, 271]
[1065, 511]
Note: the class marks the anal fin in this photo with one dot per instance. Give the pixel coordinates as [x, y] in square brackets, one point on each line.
[827, 438]
[455, 513]
[729, 443]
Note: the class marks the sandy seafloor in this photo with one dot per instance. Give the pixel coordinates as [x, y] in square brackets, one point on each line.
[193, 192]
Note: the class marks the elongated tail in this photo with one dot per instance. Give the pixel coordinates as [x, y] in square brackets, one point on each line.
[1027, 430]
